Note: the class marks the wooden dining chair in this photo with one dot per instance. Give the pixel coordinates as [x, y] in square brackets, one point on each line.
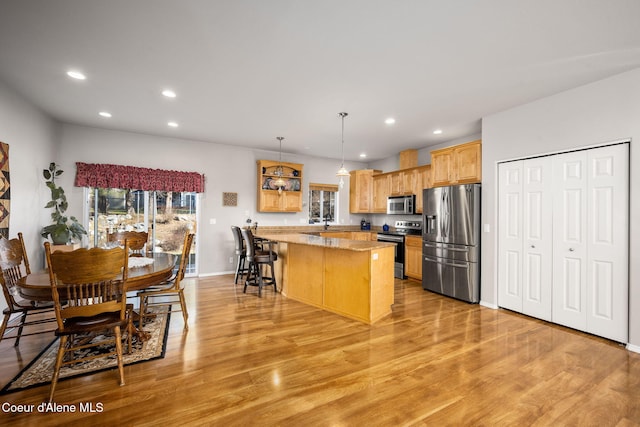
[14, 264]
[93, 282]
[156, 295]
[257, 257]
[137, 240]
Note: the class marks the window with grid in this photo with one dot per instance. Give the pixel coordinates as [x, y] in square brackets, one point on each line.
[322, 203]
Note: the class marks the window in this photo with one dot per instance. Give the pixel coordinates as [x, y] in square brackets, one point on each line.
[166, 215]
[322, 202]
[163, 202]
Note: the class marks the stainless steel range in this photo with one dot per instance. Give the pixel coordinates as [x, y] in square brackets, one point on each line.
[401, 229]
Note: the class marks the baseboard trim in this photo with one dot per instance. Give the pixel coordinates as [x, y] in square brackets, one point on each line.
[634, 348]
[488, 305]
[220, 273]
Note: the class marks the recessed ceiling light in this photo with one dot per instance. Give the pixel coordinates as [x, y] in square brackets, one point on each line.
[363, 155]
[172, 124]
[105, 114]
[76, 75]
[437, 131]
[390, 121]
[169, 93]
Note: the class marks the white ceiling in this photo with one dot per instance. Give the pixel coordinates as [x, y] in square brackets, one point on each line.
[246, 71]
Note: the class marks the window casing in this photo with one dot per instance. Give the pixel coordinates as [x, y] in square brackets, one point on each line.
[323, 203]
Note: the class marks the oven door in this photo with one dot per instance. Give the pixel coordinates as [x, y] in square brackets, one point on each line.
[398, 241]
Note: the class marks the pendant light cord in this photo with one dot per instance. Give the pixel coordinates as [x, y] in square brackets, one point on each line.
[343, 115]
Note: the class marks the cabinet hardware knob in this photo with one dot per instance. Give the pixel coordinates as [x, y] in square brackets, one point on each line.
[570, 249]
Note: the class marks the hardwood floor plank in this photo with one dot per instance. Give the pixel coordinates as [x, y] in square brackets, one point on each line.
[273, 361]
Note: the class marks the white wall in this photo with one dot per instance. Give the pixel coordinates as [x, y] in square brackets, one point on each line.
[226, 169]
[603, 111]
[31, 136]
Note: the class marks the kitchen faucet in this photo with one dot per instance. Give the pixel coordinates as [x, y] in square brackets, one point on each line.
[327, 217]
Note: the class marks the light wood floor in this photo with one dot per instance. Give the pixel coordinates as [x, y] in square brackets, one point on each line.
[272, 361]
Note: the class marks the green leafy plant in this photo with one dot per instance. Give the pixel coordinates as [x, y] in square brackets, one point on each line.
[63, 229]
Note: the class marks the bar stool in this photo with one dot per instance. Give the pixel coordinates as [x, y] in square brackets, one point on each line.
[258, 259]
[241, 253]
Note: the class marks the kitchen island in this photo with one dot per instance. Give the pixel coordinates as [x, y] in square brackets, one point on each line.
[352, 278]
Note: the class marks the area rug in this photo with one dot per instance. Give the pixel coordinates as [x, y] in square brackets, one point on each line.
[40, 370]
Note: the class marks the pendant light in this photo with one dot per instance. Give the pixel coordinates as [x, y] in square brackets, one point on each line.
[279, 182]
[342, 172]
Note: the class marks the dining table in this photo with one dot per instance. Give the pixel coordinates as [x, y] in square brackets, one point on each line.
[37, 286]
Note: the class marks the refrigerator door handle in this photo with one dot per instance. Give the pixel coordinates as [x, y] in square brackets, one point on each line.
[444, 224]
[451, 264]
[442, 262]
[457, 249]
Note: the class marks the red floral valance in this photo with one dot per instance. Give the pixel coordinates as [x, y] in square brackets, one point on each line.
[134, 178]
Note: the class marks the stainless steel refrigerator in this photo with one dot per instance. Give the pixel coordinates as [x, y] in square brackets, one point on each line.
[451, 241]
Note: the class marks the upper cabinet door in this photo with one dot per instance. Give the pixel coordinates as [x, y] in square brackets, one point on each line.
[460, 164]
[468, 159]
[361, 191]
[441, 167]
[380, 193]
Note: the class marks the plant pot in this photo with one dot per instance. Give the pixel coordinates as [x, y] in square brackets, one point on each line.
[60, 237]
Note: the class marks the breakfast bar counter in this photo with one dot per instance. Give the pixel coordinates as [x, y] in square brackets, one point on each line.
[353, 278]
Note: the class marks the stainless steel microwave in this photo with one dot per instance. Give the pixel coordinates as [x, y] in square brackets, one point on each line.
[401, 205]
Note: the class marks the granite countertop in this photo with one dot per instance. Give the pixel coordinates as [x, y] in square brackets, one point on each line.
[327, 242]
[316, 228]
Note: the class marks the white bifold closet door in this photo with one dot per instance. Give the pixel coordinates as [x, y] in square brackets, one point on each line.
[525, 237]
[563, 245]
[590, 248]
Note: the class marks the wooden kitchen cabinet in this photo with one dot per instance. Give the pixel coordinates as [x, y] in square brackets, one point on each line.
[396, 183]
[413, 257]
[361, 190]
[369, 189]
[459, 164]
[421, 180]
[380, 192]
[351, 235]
[272, 200]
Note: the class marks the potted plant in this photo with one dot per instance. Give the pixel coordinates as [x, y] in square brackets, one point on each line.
[63, 229]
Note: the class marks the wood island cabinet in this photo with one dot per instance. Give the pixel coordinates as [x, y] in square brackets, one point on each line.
[348, 277]
[460, 164]
[413, 257]
[272, 200]
[361, 190]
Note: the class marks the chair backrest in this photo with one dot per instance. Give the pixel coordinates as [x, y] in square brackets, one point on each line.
[95, 281]
[13, 261]
[137, 239]
[184, 258]
[250, 244]
[237, 237]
